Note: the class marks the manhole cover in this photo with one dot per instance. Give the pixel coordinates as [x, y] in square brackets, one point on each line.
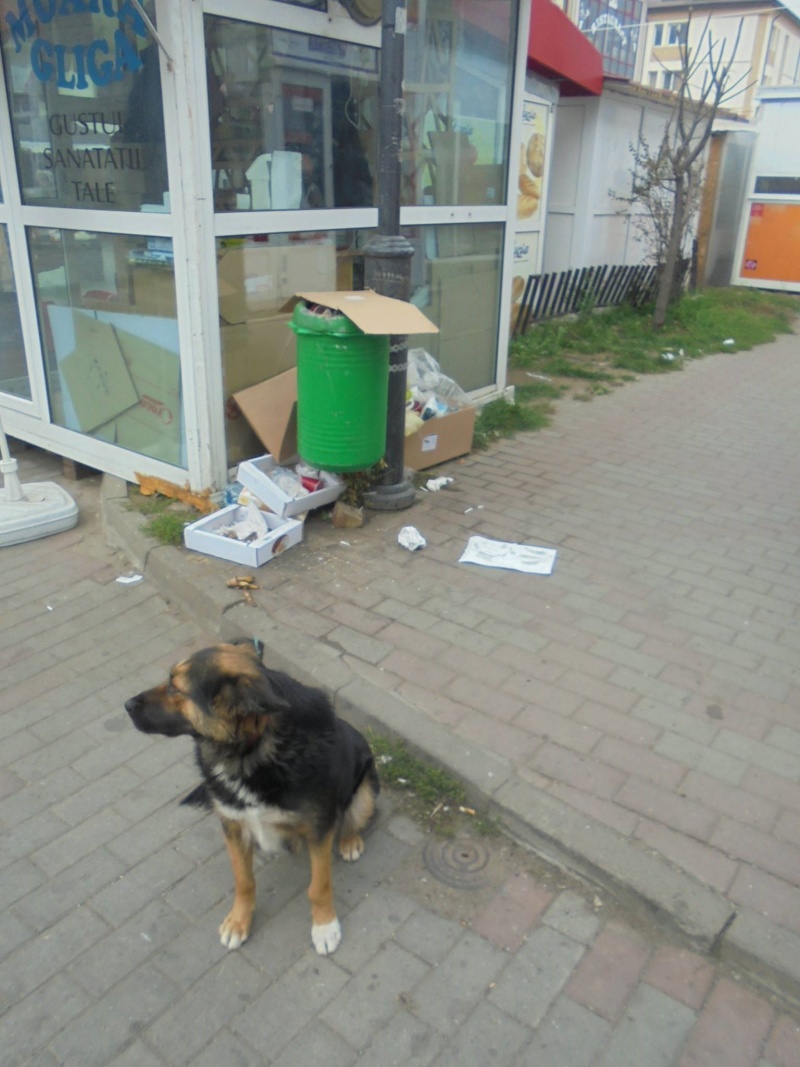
[460, 864]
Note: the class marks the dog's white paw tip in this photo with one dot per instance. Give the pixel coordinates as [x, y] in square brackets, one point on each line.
[230, 937]
[326, 937]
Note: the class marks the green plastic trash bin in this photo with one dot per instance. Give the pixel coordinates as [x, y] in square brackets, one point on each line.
[342, 390]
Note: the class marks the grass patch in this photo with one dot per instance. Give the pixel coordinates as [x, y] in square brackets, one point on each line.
[625, 339]
[166, 519]
[429, 794]
[501, 419]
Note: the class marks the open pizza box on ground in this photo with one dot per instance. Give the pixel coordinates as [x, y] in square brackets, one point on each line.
[206, 535]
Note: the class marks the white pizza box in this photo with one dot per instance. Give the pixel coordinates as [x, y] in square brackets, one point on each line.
[256, 475]
[204, 536]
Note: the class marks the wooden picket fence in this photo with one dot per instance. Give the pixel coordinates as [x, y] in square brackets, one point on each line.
[547, 296]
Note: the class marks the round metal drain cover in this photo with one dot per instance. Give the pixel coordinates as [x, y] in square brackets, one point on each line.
[460, 864]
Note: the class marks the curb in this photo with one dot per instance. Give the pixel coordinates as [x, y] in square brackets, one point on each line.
[638, 878]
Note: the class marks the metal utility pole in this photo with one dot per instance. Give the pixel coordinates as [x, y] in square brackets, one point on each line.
[388, 255]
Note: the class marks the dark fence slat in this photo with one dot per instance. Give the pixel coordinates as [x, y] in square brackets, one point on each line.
[560, 293]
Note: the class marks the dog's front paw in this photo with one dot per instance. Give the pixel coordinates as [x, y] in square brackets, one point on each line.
[326, 937]
[352, 848]
[233, 931]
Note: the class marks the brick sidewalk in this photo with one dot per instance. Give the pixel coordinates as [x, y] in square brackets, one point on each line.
[637, 709]
[112, 893]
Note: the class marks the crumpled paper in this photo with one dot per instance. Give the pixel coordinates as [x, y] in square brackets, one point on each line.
[410, 538]
[253, 527]
[433, 485]
[505, 554]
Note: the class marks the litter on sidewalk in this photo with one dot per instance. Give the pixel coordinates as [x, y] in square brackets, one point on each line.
[530, 559]
[410, 538]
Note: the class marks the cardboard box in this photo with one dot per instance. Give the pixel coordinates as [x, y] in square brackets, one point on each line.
[270, 407]
[256, 350]
[374, 314]
[440, 438]
[256, 280]
[255, 474]
[204, 536]
[271, 410]
[153, 291]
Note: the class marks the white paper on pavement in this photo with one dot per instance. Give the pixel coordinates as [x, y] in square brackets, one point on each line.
[528, 558]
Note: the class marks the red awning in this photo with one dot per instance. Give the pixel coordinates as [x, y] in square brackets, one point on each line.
[557, 49]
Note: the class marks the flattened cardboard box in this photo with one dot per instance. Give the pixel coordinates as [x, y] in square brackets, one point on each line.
[441, 438]
[374, 314]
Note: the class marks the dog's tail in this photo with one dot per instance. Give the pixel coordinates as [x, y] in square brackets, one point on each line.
[198, 798]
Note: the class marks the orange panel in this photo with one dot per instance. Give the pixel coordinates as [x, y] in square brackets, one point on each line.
[772, 248]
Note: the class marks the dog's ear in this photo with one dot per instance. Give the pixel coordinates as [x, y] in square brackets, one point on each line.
[251, 643]
[253, 700]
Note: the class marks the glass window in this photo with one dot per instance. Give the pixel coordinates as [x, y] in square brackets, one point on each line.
[108, 322]
[13, 369]
[455, 281]
[458, 87]
[293, 118]
[85, 93]
[677, 32]
[658, 34]
[257, 277]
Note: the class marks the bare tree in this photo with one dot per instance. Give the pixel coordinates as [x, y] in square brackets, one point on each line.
[667, 179]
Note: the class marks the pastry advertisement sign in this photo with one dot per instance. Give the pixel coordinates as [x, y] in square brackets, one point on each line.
[531, 162]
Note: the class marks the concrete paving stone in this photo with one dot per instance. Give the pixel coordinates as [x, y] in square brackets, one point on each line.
[39, 795]
[680, 974]
[428, 936]
[710, 865]
[536, 975]
[117, 902]
[194, 1018]
[372, 996]
[759, 849]
[515, 908]
[787, 827]
[55, 898]
[317, 1044]
[609, 971]
[488, 1036]
[783, 1047]
[550, 725]
[28, 835]
[639, 760]
[138, 1055]
[29, 1023]
[48, 953]
[43, 760]
[568, 1034]
[651, 1021]
[13, 932]
[731, 1029]
[228, 1050]
[113, 1021]
[102, 828]
[576, 770]
[404, 1041]
[744, 806]
[375, 919]
[666, 807]
[764, 892]
[571, 915]
[371, 649]
[531, 689]
[290, 1003]
[604, 811]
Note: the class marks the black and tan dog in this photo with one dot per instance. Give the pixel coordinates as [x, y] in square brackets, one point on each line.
[278, 766]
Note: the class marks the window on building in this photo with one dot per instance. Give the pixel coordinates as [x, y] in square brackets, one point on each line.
[652, 78]
[293, 118]
[677, 32]
[13, 370]
[668, 79]
[109, 329]
[86, 113]
[658, 34]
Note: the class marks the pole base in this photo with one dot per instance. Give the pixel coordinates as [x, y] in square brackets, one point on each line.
[391, 497]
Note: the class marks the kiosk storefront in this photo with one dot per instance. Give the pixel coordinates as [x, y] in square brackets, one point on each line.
[172, 171]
